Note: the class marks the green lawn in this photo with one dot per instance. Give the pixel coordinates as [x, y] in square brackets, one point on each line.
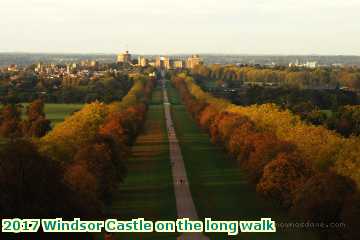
[56, 112]
[219, 188]
[328, 113]
[174, 97]
[147, 191]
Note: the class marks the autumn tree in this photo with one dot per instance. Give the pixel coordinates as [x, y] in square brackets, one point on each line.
[239, 144]
[266, 147]
[300, 165]
[350, 216]
[32, 184]
[80, 180]
[10, 121]
[67, 137]
[207, 116]
[36, 124]
[113, 128]
[221, 129]
[282, 177]
[322, 196]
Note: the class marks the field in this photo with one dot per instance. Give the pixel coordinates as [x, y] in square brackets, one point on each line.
[329, 113]
[219, 188]
[57, 112]
[147, 191]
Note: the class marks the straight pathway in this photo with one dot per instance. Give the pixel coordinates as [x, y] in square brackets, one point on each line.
[184, 202]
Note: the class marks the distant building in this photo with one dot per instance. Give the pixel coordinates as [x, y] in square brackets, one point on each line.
[94, 63]
[89, 63]
[167, 63]
[337, 65]
[308, 64]
[142, 61]
[311, 64]
[38, 68]
[124, 58]
[12, 68]
[158, 62]
[193, 61]
[163, 62]
[179, 64]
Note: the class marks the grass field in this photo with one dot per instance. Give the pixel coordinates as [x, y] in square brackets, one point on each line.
[147, 191]
[329, 113]
[57, 112]
[219, 188]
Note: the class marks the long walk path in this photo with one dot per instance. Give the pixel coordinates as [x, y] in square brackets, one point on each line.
[184, 202]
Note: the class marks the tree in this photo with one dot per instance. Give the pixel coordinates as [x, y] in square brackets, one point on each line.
[80, 180]
[347, 120]
[80, 128]
[316, 117]
[282, 177]
[322, 197]
[10, 121]
[98, 159]
[35, 110]
[266, 147]
[32, 184]
[348, 159]
[350, 216]
[36, 124]
[303, 108]
[207, 116]
[39, 127]
[113, 128]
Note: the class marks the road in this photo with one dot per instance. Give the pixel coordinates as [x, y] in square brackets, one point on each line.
[184, 202]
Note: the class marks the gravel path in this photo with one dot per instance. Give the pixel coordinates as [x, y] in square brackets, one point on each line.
[184, 202]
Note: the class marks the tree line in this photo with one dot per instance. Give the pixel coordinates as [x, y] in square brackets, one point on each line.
[344, 120]
[28, 86]
[34, 125]
[309, 103]
[334, 109]
[74, 170]
[234, 76]
[307, 169]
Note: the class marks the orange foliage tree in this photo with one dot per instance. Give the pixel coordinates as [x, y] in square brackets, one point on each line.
[304, 167]
[93, 143]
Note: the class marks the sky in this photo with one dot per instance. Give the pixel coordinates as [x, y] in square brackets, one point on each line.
[286, 27]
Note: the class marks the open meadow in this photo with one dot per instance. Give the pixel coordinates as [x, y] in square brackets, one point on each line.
[57, 112]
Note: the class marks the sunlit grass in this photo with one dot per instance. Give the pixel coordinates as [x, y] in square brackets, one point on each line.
[147, 191]
[57, 112]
